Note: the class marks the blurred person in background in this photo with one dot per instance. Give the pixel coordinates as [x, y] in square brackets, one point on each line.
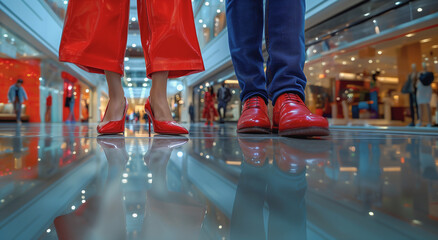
[97, 44]
[17, 95]
[48, 108]
[192, 113]
[223, 97]
[71, 106]
[210, 111]
[284, 81]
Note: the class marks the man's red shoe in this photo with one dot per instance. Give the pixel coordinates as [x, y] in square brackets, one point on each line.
[254, 118]
[292, 118]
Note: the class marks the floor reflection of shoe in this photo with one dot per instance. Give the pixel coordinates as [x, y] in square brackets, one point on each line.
[114, 127]
[163, 127]
[211, 123]
[293, 118]
[114, 142]
[255, 151]
[254, 118]
[292, 155]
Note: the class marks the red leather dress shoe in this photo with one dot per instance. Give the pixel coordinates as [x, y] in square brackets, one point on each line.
[293, 118]
[163, 127]
[114, 127]
[254, 118]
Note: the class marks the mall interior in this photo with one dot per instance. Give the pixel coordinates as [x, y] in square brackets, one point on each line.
[374, 177]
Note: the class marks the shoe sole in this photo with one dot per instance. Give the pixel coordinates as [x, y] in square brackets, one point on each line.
[254, 130]
[305, 132]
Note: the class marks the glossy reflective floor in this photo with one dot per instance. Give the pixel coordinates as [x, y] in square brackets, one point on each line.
[64, 182]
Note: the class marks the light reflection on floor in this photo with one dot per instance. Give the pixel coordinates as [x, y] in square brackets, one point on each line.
[63, 181]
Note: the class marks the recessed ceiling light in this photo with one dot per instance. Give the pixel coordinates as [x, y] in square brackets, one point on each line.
[426, 40]
[410, 35]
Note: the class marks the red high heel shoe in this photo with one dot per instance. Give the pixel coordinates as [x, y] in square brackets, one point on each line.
[163, 127]
[114, 127]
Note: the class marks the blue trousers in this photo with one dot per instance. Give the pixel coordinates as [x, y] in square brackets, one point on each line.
[284, 37]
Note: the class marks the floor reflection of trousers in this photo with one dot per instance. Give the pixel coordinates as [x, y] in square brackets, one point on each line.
[284, 194]
[95, 36]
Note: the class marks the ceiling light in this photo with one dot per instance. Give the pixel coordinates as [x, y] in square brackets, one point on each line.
[207, 3]
[127, 68]
[367, 14]
[128, 79]
[426, 40]
[144, 84]
[397, 3]
[5, 35]
[353, 59]
[126, 59]
[379, 52]
[133, 19]
[419, 9]
[134, 45]
[410, 35]
[201, 21]
[204, 25]
[218, 11]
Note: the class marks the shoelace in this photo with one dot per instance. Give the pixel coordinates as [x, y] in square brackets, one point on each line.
[294, 98]
[252, 103]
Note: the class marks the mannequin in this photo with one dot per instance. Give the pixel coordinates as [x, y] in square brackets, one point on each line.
[424, 95]
[410, 88]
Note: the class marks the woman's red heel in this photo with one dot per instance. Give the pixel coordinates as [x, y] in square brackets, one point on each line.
[114, 127]
[163, 127]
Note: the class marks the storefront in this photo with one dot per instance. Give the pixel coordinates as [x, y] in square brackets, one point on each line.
[47, 84]
[356, 73]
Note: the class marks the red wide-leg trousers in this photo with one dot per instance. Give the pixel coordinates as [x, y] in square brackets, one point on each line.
[95, 34]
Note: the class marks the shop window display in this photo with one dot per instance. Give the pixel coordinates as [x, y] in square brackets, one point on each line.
[366, 83]
[356, 80]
